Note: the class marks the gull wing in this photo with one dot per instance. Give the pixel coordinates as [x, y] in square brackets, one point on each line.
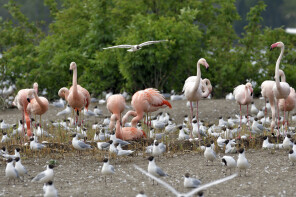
[151, 42]
[119, 46]
[83, 145]
[39, 176]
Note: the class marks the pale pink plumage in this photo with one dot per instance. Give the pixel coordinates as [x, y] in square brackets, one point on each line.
[193, 89]
[148, 100]
[243, 95]
[115, 105]
[128, 133]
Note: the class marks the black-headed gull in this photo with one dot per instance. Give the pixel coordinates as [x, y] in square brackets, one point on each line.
[107, 169]
[242, 162]
[190, 182]
[292, 156]
[209, 154]
[45, 176]
[229, 162]
[154, 169]
[10, 171]
[133, 48]
[50, 190]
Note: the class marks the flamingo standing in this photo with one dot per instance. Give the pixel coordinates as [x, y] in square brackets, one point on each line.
[243, 95]
[291, 99]
[76, 98]
[20, 101]
[267, 93]
[148, 100]
[206, 87]
[36, 106]
[193, 90]
[281, 90]
[115, 105]
[64, 93]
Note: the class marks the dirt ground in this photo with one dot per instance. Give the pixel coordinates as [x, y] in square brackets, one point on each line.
[270, 174]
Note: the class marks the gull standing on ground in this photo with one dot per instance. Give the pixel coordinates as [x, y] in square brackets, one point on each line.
[158, 148]
[5, 138]
[103, 145]
[229, 163]
[287, 144]
[122, 152]
[35, 145]
[266, 143]
[50, 190]
[141, 194]
[254, 109]
[133, 48]
[65, 112]
[107, 169]
[45, 176]
[79, 145]
[242, 162]
[21, 170]
[154, 169]
[10, 171]
[209, 154]
[191, 182]
[256, 127]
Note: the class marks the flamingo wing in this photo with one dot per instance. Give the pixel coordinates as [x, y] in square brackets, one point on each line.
[155, 98]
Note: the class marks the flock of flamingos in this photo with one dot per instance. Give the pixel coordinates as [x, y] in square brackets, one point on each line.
[277, 92]
[150, 100]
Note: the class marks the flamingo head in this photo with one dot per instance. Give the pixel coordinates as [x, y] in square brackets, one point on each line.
[73, 66]
[203, 61]
[277, 44]
[249, 85]
[30, 95]
[62, 92]
[35, 86]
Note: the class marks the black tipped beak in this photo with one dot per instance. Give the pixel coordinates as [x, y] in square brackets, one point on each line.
[270, 48]
[207, 69]
[28, 99]
[251, 93]
[77, 112]
[71, 71]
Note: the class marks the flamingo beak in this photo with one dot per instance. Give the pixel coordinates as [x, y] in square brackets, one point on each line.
[28, 99]
[273, 46]
[207, 66]
[71, 71]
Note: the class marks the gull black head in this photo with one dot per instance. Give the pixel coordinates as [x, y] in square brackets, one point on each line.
[241, 150]
[226, 141]
[208, 145]
[105, 160]
[187, 175]
[49, 183]
[18, 149]
[194, 121]
[97, 132]
[142, 192]
[256, 119]
[150, 158]
[220, 117]
[265, 137]
[4, 133]
[291, 151]
[32, 119]
[180, 127]
[185, 116]
[9, 160]
[3, 148]
[21, 121]
[31, 139]
[224, 161]
[74, 135]
[116, 144]
[212, 141]
[96, 107]
[252, 102]
[156, 143]
[1, 120]
[51, 166]
[110, 141]
[17, 159]
[289, 136]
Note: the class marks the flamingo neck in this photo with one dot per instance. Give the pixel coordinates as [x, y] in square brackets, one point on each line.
[277, 80]
[246, 95]
[208, 88]
[282, 76]
[118, 132]
[74, 83]
[198, 76]
[38, 100]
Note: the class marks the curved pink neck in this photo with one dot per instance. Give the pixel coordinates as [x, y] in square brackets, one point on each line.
[118, 132]
[42, 105]
[246, 94]
[74, 82]
[198, 76]
[277, 80]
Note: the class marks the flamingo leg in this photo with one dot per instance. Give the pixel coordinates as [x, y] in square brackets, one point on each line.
[197, 121]
[285, 118]
[265, 113]
[278, 123]
[240, 120]
[248, 121]
[190, 119]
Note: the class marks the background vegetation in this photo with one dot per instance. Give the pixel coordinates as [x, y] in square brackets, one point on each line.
[229, 34]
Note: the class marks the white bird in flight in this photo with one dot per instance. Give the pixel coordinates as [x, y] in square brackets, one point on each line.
[133, 48]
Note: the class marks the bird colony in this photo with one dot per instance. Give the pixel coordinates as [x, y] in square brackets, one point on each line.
[144, 134]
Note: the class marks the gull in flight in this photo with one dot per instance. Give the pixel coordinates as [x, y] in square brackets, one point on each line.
[196, 190]
[133, 48]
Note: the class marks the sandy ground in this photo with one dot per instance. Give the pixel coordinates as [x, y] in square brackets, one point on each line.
[270, 174]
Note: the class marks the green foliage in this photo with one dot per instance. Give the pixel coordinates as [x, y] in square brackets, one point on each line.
[194, 29]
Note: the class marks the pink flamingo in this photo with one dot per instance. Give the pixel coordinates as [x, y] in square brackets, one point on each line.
[243, 95]
[36, 106]
[281, 90]
[193, 90]
[76, 98]
[290, 100]
[20, 101]
[64, 93]
[148, 100]
[115, 105]
[206, 87]
[128, 133]
[267, 93]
